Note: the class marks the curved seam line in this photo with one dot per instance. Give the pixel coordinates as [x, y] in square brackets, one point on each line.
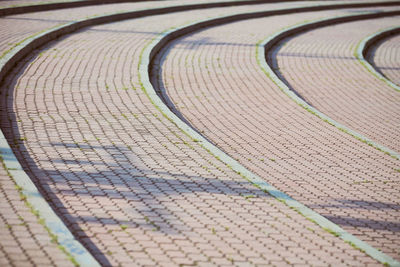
[144, 65]
[365, 45]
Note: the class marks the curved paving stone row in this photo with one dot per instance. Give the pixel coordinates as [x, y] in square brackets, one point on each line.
[320, 65]
[385, 55]
[215, 82]
[129, 184]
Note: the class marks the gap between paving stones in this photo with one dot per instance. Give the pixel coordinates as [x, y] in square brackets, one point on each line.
[36, 200]
[273, 40]
[364, 47]
[147, 57]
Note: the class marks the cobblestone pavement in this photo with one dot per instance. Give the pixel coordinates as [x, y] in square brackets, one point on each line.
[24, 241]
[214, 81]
[385, 56]
[135, 190]
[343, 88]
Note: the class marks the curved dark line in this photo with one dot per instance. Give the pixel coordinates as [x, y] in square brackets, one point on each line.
[373, 42]
[155, 74]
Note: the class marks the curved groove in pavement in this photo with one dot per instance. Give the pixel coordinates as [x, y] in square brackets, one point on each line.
[273, 41]
[45, 37]
[366, 45]
[145, 67]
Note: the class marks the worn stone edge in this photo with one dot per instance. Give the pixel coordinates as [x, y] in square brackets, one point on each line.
[269, 43]
[144, 66]
[363, 48]
[279, 36]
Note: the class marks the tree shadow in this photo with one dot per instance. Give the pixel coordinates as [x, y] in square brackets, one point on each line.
[355, 206]
[378, 225]
[359, 204]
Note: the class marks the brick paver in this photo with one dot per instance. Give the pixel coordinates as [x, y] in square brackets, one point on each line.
[131, 186]
[385, 56]
[214, 81]
[348, 93]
